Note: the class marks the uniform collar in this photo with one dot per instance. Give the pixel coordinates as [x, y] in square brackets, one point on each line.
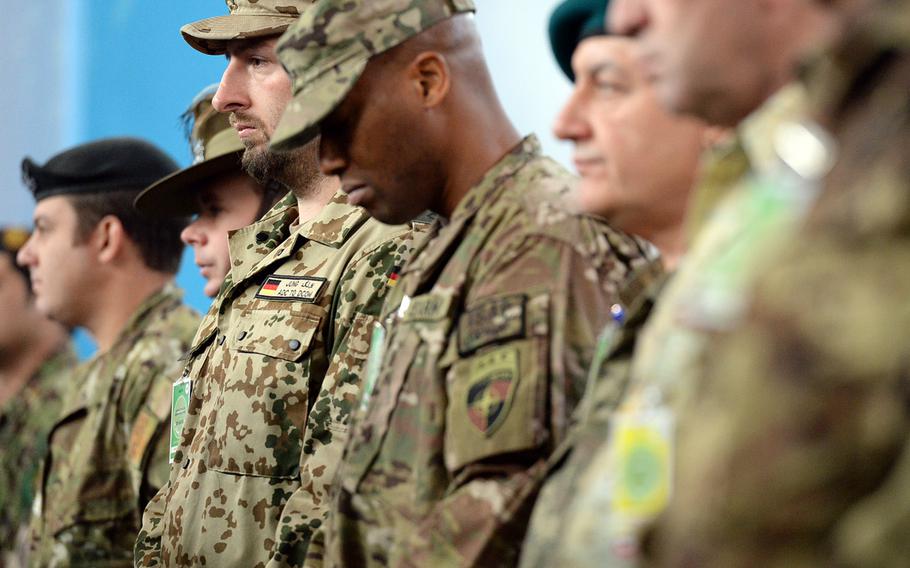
[139, 320]
[433, 248]
[274, 237]
[756, 133]
[168, 292]
[485, 191]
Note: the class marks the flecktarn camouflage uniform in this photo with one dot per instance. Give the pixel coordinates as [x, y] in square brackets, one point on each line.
[489, 334]
[795, 449]
[275, 371]
[25, 421]
[107, 450]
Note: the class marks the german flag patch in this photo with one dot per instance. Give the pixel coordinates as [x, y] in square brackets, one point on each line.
[291, 288]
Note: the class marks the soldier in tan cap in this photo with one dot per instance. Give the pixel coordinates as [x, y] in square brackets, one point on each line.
[274, 370]
[482, 351]
[214, 188]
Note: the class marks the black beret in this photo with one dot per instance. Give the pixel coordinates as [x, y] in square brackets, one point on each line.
[571, 22]
[112, 164]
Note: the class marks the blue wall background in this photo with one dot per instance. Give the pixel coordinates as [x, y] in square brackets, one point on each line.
[137, 77]
[77, 70]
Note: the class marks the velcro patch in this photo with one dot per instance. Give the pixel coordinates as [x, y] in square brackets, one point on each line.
[493, 319]
[493, 379]
[291, 288]
[429, 307]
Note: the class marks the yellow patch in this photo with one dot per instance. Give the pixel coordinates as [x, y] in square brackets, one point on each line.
[643, 446]
[143, 430]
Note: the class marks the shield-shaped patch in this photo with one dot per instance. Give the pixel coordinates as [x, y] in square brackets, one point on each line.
[493, 380]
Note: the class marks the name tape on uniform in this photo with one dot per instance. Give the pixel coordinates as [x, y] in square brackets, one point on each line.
[291, 288]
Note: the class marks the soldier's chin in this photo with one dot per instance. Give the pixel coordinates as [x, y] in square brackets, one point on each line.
[390, 216]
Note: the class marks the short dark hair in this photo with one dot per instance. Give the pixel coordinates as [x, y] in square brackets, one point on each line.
[158, 238]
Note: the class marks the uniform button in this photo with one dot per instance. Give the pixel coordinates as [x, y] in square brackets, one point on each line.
[186, 463]
[241, 336]
[294, 344]
[221, 341]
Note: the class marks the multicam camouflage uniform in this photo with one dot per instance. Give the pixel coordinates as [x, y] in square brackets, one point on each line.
[276, 370]
[795, 450]
[489, 334]
[107, 451]
[606, 493]
[25, 421]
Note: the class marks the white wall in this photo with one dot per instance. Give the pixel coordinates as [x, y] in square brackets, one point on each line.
[39, 96]
[529, 81]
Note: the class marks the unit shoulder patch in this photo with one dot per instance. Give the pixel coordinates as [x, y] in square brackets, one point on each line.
[493, 379]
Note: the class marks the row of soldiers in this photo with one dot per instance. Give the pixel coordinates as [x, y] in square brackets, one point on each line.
[430, 345]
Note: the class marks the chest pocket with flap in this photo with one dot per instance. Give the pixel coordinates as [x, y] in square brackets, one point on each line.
[262, 406]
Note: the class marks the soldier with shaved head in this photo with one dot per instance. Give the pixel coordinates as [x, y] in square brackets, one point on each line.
[481, 353]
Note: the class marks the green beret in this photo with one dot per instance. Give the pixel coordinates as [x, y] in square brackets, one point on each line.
[104, 166]
[571, 22]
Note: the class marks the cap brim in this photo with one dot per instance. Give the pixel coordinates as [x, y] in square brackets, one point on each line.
[175, 195]
[211, 35]
[300, 122]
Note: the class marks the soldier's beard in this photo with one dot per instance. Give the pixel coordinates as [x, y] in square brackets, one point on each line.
[298, 170]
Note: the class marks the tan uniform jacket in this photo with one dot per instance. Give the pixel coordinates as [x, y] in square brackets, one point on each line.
[275, 370]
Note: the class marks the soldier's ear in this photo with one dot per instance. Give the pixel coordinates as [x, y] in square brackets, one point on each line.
[430, 77]
[108, 239]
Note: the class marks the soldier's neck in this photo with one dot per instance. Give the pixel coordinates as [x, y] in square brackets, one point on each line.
[311, 200]
[123, 295]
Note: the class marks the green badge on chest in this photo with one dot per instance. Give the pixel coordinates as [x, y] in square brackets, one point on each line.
[180, 404]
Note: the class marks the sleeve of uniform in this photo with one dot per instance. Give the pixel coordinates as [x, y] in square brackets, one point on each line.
[358, 301]
[148, 445]
[147, 551]
[513, 378]
[802, 414]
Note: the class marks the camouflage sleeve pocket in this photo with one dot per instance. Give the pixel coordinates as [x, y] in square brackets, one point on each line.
[496, 402]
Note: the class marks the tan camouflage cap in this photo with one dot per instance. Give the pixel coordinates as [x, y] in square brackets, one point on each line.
[216, 150]
[247, 19]
[327, 49]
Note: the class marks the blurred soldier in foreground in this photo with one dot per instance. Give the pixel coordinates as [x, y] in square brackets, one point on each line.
[794, 450]
[35, 361]
[275, 367]
[638, 164]
[95, 262]
[214, 188]
[626, 479]
[481, 355]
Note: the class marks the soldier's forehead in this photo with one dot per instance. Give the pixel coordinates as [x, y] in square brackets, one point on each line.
[249, 44]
